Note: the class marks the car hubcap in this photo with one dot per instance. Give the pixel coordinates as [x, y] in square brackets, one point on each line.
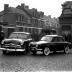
[46, 51]
[67, 49]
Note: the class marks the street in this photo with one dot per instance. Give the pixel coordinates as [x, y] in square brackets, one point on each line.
[35, 63]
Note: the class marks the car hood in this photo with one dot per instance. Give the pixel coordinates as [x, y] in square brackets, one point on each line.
[39, 42]
[68, 42]
[18, 40]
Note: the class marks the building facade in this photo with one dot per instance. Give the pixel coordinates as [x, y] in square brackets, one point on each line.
[21, 18]
[65, 20]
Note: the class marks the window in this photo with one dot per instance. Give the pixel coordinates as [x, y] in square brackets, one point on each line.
[30, 30]
[54, 39]
[20, 29]
[67, 11]
[28, 21]
[60, 39]
[22, 18]
[46, 38]
[66, 27]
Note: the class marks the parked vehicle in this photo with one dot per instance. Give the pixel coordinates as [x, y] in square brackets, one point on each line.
[17, 42]
[50, 43]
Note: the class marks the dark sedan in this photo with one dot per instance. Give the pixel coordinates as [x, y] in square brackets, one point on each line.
[50, 43]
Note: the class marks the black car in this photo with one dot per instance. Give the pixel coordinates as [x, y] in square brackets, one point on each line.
[17, 42]
[50, 43]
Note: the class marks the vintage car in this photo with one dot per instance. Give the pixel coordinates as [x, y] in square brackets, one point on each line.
[49, 44]
[17, 42]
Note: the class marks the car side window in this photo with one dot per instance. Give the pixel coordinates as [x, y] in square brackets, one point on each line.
[54, 39]
[60, 39]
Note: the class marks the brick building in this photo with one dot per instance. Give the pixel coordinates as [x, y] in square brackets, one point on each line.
[21, 18]
[66, 20]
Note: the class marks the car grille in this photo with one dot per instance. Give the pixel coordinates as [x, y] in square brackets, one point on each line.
[11, 46]
[11, 42]
[8, 46]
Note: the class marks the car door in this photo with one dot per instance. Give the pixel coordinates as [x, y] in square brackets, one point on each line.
[54, 43]
[60, 43]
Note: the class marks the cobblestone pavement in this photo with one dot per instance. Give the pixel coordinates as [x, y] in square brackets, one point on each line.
[37, 63]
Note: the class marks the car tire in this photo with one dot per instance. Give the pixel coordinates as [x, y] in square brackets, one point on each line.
[4, 52]
[46, 51]
[66, 50]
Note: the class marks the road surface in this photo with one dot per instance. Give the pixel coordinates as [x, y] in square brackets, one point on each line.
[35, 63]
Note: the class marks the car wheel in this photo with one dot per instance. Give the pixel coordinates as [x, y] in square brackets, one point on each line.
[4, 52]
[46, 51]
[66, 50]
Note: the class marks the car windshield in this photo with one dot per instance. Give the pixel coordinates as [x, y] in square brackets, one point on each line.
[19, 36]
[47, 38]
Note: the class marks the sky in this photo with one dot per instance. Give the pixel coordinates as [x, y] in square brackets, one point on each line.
[49, 7]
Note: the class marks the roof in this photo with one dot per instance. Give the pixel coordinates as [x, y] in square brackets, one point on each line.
[1, 13]
[15, 10]
[21, 32]
[54, 35]
[67, 2]
[19, 11]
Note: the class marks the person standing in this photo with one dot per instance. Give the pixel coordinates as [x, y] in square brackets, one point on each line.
[2, 35]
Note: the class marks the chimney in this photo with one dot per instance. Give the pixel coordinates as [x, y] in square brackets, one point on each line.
[22, 5]
[27, 7]
[19, 7]
[42, 14]
[6, 6]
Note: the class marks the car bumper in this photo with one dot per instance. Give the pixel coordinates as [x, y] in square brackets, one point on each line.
[35, 49]
[7, 49]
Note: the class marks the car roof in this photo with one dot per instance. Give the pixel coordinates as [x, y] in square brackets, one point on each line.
[53, 36]
[22, 32]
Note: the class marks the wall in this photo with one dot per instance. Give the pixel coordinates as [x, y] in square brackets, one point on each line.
[10, 18]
